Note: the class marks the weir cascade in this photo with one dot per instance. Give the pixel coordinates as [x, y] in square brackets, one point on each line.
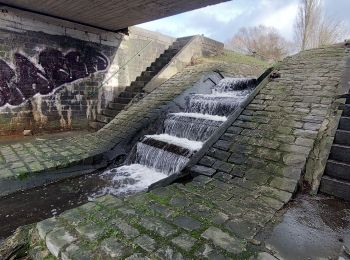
[179, 136]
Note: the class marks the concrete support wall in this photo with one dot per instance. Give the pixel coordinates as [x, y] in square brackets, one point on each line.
[196, 47]
[56, 76]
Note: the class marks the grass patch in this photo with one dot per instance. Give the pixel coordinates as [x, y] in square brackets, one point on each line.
[234, 57]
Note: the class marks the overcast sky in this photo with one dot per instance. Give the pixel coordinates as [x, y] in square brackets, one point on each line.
[221, 21]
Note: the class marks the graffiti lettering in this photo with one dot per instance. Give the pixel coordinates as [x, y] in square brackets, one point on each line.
[17, 86]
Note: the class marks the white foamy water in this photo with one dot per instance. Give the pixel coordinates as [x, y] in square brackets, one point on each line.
[162, 160]
[130, 178]
[202, 116]
[230, 84]
[182, 142]
[214, 95]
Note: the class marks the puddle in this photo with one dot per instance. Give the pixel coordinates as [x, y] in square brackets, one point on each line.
[311, 228]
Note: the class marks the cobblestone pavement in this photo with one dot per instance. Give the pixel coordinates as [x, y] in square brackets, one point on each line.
[27, 158]
[243, 180]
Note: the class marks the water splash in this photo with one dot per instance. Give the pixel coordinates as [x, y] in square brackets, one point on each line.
[167, 162]
[201, 116]
[193, 126]
[178, 141]
[129, 179]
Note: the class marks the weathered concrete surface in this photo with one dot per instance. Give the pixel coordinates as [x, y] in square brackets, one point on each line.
[197, 47]
[257, 164]
[109, 15]
[19, 162]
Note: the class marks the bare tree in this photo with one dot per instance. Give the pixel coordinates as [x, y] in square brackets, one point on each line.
[313, 28]
[330, 31]
[262, 41]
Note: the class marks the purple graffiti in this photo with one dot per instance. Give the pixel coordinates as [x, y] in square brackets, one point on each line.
[26, 80]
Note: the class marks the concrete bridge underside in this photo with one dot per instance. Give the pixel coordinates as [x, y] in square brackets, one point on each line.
[111, 15]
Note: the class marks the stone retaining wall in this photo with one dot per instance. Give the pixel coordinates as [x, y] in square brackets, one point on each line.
[272, 138]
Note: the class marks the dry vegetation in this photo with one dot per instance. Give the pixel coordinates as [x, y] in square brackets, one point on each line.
[313, 28]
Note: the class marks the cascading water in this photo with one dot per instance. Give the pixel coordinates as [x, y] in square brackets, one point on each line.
[157, 156]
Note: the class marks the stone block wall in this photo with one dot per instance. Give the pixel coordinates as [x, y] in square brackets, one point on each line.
[269, 144]
[56, 76]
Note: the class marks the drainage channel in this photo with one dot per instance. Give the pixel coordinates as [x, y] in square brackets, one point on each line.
[155, 157]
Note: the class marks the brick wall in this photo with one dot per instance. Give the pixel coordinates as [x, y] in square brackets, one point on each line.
[56, 76]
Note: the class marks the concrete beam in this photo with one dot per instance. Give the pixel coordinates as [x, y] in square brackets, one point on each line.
[111, 15]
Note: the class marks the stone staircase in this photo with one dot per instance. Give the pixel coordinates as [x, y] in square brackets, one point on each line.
[336, 178]
[136, 87]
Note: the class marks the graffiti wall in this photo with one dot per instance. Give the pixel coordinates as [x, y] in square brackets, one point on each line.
[45, 81]
[21, 83]
[50, 75]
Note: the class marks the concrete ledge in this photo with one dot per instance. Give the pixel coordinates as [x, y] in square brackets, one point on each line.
[197, 46]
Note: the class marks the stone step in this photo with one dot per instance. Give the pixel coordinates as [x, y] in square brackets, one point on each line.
[172, 148]
[344, 123]
[143, 78]
[346, 109]
[338, 170]
[116, 106]
[138, 84]
[135, 90]
[127, 94]
[148, 73]
[166, 57]
[340, 153]
[110, 112]
[154, 68]
[334, 187]
[159, 64]
[122, 100]
[177, 45]
[96, 125]
[103, 119]
[171, 50]
[342, 137]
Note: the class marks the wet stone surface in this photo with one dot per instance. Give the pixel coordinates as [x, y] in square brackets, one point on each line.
[310, 228]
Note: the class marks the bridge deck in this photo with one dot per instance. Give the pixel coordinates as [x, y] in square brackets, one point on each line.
[109, 15]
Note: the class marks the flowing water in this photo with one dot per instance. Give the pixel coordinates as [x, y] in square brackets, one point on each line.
[183, 133]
